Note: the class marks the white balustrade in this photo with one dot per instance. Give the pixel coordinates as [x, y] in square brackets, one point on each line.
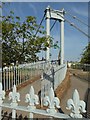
[15, 97]
[76, 105]
[52, 103]
[32, 99]
[19, 74]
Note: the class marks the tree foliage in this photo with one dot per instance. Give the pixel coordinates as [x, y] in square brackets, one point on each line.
[86, 55]
[19, 42]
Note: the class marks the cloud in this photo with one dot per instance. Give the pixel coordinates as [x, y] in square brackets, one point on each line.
[33, 8]
[81, 12]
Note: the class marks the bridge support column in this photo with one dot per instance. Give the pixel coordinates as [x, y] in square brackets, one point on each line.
[62, 43]
[48, 32]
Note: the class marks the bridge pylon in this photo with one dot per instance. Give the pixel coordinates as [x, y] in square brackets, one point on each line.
[56, 15]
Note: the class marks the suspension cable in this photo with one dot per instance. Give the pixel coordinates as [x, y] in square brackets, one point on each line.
[53, 25]
[72, 24]
[75, 17]
[39, 25]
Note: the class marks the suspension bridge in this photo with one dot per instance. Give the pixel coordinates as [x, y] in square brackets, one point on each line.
[45, 76]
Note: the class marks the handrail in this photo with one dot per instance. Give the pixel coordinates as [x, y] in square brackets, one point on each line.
[51, 102]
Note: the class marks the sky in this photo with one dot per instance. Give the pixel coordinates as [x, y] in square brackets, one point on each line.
[44, 0]
[75, 41]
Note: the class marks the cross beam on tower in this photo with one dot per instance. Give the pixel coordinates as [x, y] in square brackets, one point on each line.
[52, 14]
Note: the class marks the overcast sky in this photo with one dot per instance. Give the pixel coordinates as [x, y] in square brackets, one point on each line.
[75, 41]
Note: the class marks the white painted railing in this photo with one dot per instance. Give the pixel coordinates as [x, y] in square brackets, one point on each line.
[24, 72]
[53, 77]
[21, 73]
[51, 102]
[59, 74]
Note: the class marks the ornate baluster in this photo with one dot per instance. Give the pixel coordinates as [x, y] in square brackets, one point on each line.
[51, 101]
[2, 96]
[15, 97]
[76, 105]
[32, 99]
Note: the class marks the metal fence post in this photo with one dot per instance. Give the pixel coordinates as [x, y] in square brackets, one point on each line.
[4, 78]
[31, 116]
[0, 112]
[15, 97]
[2, 96]
[9, 78]
[7, 70]
[76, 105]
[33, 100]
[13, 113]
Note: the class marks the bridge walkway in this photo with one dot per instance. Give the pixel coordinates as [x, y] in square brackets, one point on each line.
[80, 81]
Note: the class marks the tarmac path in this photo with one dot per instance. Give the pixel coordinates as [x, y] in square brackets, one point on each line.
[76, 83]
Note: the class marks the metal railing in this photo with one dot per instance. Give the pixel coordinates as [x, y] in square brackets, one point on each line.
[52, 103]
[21, 73]
[53, 77]
[84, 67]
